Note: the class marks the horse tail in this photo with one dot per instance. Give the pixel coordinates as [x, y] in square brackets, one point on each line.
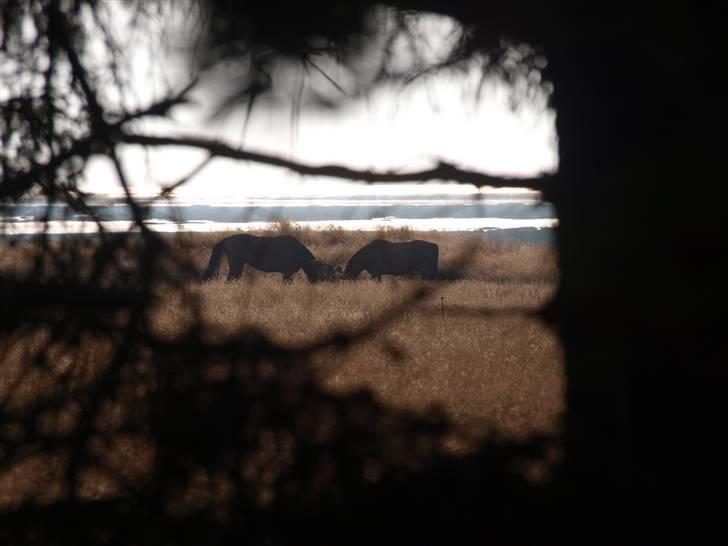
[213, 268]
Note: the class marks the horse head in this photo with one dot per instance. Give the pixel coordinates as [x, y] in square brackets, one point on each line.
[329, 272]
[317, 271]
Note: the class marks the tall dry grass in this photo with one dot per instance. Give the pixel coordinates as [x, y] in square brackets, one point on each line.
[467, 255]
[489, 364]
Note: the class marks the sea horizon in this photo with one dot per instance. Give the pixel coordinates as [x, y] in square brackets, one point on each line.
[519, 215]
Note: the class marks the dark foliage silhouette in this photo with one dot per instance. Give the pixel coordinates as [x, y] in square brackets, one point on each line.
[246, 447]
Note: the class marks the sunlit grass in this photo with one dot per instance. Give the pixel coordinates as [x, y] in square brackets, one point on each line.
[488, 361]
[472, 347]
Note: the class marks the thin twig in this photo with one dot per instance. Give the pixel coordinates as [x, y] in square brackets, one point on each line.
[170, 188]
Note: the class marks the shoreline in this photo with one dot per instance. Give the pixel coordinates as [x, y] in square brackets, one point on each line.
[513, 235]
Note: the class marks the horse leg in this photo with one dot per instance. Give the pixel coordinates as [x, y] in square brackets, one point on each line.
[236, 270]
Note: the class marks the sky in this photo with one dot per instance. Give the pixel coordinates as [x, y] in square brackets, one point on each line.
[438, 118]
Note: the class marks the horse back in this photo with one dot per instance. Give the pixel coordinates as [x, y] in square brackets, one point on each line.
[282, 253]
[399, 258]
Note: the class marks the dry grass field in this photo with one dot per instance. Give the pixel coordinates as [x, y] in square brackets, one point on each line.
[488, 362]
[469, 346]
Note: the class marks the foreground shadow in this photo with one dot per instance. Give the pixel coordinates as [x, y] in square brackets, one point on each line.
[196, 443]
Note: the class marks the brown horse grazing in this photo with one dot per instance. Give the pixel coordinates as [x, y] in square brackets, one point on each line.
[382, 257]
[281, 254]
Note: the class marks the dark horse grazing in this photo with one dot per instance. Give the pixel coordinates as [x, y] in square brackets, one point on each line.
[281, 254]
[385, 258]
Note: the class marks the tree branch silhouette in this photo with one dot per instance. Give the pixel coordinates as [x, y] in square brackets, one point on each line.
[443, 171]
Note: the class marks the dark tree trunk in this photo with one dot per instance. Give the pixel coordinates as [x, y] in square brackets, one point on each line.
[641, 260]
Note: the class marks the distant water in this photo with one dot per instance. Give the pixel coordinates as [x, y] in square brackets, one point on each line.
[502, 216]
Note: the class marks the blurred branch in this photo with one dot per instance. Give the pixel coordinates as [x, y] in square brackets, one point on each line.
[173, 186]
[133, 205]
[161, 108]
[24, 294]
[18, 183]
[443, 170]
[60, 26]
